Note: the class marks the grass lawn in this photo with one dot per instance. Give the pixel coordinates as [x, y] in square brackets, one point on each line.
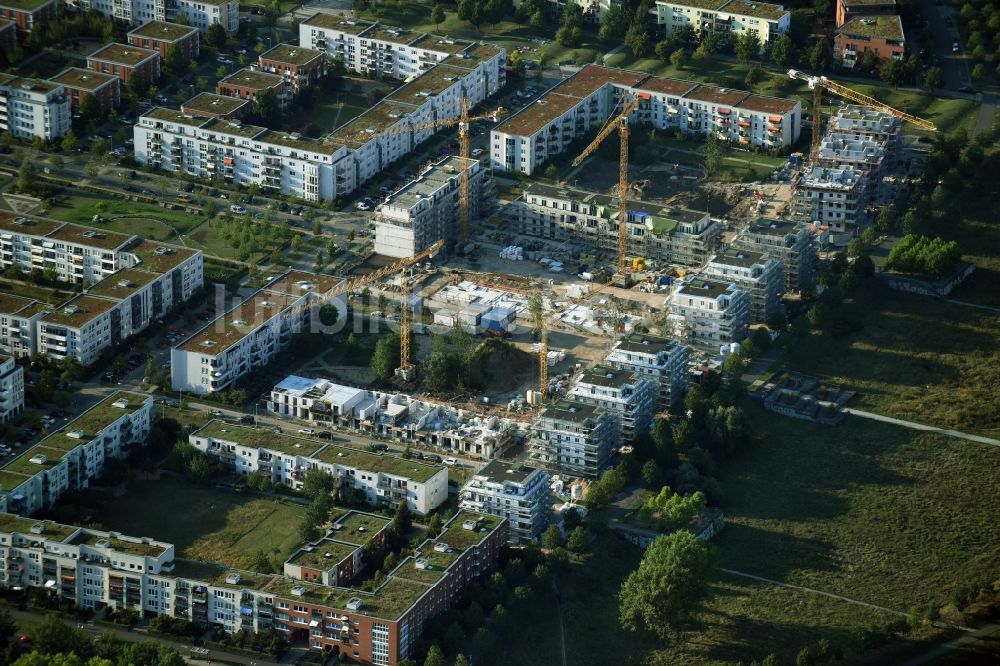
[915, 358]
[209, 239]
[39, 293]
[204, 523]
[130, 217]
[328, 114]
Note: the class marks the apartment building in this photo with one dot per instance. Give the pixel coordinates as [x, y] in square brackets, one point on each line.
[300, 67]
[8, 35]
[662, 360]
[866, 156]
[859, 123]
[19, 325]
[631, 398]
[380, 478]
[28, 14]
[573, 437]
[511, 490]
[395, 416]
[656, 232]
[197, 13]
[731, 17]
[709, 313]
[427, 208]
[236, 153]
[210, 105]
[848, 9]
[584, 101]
[335, 559]
[33, 107]
[68, 458]
[791, 243]
[882, 36]
[248, 84]
[835, 198]
[384, 51]
[81, 83]
[759, 275]
[161, 35]
[249, 335]
[126, 61]
[11, 388]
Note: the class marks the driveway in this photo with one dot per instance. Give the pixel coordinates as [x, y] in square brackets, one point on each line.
[954, 65]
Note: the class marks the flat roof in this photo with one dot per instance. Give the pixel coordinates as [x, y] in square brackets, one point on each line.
[14, 304]
[79, 311]
[259, 438]
[390, 33]
[23, 464]
[732, 256]
[99, 238]
[165, 260]
[763, 10]
[603, 375]
[646, 344]
[290, 53]
[123, 54]
[24, 5]
[571, 409]
[767, 104]
[879, 27]
[372, 122]
[849, 3]
[295, 140]
[334, 22]
[83, 79]
[223, 332]
[472, 56]
[163, 31]
[207, 102]
[440, 43]
[123, 284]
[174, 116]
[660, 84]
[11, 480]
[658, 213]
[322, 555]
[357, 527]
[697, 4]
[382, 463]
[500, 471]
[434, 81]
[10, 522]
[299, 283]
[594, 77]
[253, 79]
[460, 538]
[94, 420]
[773, 227]
[28, 225]
[537, 115]
[704, 288]
[233, 127]
[88, 538]
[713, 95]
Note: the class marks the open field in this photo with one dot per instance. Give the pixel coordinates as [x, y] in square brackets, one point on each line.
[204, 523]
[209, 239]
[128, 217]
[326, 114]
[915, 358]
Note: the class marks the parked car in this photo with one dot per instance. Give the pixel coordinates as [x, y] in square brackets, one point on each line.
[307, 431]
[433, 457]
[476, 152]
[451, 461]
[217, 413]
[283, 207]
[955, 46]
[247, 419]
[380, 447]
[326, 434]
[237, 209]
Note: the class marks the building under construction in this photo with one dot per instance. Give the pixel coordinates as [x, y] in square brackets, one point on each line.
[792, 243]
[656, 232]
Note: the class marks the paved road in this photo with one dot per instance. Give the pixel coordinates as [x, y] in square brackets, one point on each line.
[942, 650]
[953, 65]
[926, 428]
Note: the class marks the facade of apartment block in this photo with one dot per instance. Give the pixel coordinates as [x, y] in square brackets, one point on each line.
[861, 155]
[33, 107]
[662, 360]
[299, 66]
[82, 83]
[835, 198]
[863, 124]
[199, 14]
[630, 397]
[731, 17]
[709, 313]
[427, 209]
[381, 478]
[882, 36]
[19, 325]
[759, 275]
[515, 491]
[248, 335]
[70, 457]
[28, 15]
[792, 243]
[126, 61]
[11, 388]
[584, 101]
[161, 35]
[655, 232]
[574, 438]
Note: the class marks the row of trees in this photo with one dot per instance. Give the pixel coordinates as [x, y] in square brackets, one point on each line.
[933, 257]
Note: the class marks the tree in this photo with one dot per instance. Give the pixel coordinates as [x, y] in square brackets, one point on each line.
[819, 56]
[934, 78]
[328, 314]
[570, 32]
[216, 36]
[746, 47]
[440, 371]
[673, 511]
[551, 172]
[69, 142]
[473, 11]
[221, 71]
[437, 16]
[754, 76]
[402, 520]
[260, 563]
[552, 538]
[651, 473]
[868, 61]
[702, 53]
[8, 626]
[680, 59]
[613, 24]
[663, 439]
[461, 660]
[27, 176]
[434, 525]
[577, 541]
[174, 59]
[672, 579]
[435, 657]
[317, 484]
[495, 10]
[638, 39]
[894, 72]
[51, 636]
[90, 109]
[713, 155]
[978, 73]
[783, 51]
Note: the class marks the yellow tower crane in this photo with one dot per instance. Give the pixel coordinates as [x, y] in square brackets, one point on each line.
[463, 122]
[406, 369]
[820, 83]
[621, 124]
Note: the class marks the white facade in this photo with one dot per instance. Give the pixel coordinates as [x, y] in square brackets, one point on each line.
[838, 151]
[662, 360]
[630, 397]
[287, 460]
[792, 243]
[767, 21]
[584, 101]
[834, 198]
[11, 389]
[19, 325]
[863, 124]
[427, 209]
[574, 438]
[708, 313]
[249, 335]
[33, 107]
[759, 275]
[199, 13]
[513, 491]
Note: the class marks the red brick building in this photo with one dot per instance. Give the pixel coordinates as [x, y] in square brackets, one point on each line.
[161, 35]
[881, 35]
[27, 13]
[79, 83]
[300, 67]
[8, 35]
[247, 84]
[848, 9]
[125, 61]
[209, 105]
